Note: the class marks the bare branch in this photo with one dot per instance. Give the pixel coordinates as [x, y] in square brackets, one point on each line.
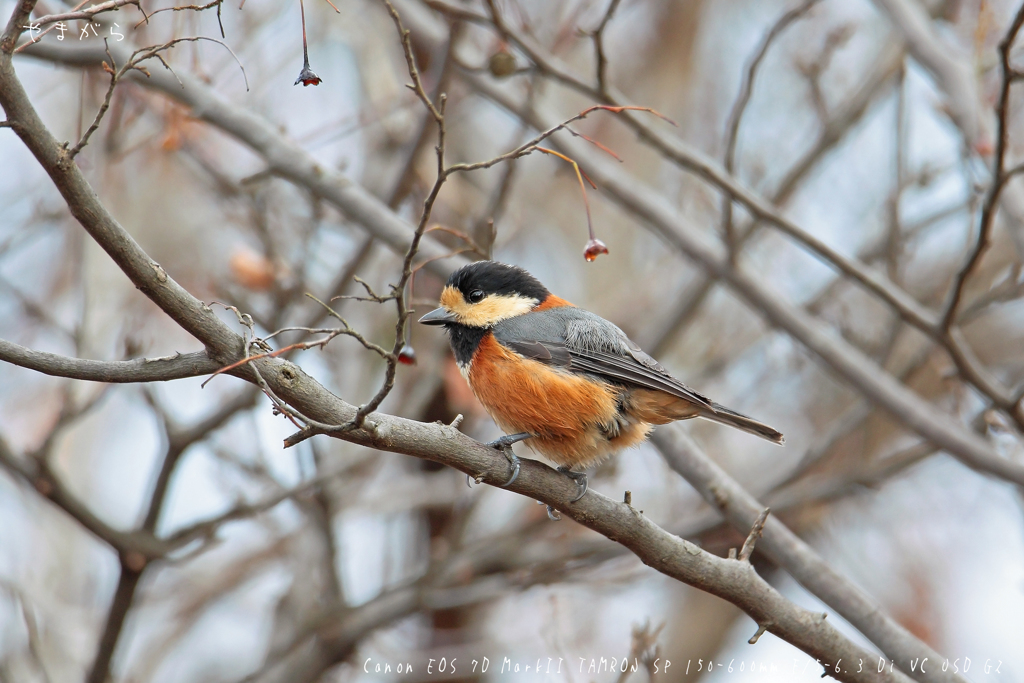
[179, 439]
[699, 163]
[36, 474]
[657, 548]
[309, 404]
[532, 145]
[845, 117]
[399, 290]
[663, 551]
[755, 533]
[999, 175]
[154, 51]
[182, 8]
[799, 559]
[283, 156]
[207, 528]
[124, 596]
[410, 62]
[85, 14]
[953, 75]
[114, 76]
[146, 274]
[178, 366]
[896, 398]
[838, 355]
[599, 56]
[740, 105]
[15, 26]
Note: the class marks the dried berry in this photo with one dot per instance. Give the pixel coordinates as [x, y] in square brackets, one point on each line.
[307, 77]
[407, 356]
[594, 248]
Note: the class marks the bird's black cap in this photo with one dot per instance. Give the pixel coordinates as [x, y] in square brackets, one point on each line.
[492, 277]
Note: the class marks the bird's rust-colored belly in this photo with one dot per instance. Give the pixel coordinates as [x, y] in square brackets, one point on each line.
[564, 412]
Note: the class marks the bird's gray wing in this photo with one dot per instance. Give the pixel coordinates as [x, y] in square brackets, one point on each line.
[579, 341]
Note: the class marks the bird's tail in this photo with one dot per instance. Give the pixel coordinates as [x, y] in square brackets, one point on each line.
[729, 417]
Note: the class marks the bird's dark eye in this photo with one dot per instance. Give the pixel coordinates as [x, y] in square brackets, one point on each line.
[476, 296]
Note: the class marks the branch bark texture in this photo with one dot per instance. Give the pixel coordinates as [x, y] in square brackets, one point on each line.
[787, 550]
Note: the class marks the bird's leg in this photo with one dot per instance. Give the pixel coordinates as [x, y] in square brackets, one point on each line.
[504, 444]
[507, 440]
[579, 477]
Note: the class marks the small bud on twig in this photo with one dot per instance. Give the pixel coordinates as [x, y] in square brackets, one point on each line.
[502, 64]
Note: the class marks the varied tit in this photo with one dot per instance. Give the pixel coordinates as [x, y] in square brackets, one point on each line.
[569, 382]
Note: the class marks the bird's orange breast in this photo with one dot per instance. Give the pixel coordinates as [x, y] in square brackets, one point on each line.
[563, 411]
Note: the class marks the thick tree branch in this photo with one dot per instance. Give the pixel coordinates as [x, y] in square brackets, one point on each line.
[178, 366]
[15, 26]
[732, 580]
[442, 444]
[791, 553]
[124, 596]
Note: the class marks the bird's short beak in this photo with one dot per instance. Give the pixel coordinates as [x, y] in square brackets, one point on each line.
[438, 316]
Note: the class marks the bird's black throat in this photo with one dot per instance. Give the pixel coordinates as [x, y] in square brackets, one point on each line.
[464, 341]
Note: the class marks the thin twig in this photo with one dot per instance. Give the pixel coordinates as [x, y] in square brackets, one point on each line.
[531, 145]
[999, 175]
[740, 106]
[153, 52]
[755, 533]
[46, 31]
[114, 76]
[85, 14]
[181, 8]
[583, 189]
[399, 290]
[599, 56]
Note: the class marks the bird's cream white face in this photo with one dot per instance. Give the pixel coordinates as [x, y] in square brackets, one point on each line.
[486, 312]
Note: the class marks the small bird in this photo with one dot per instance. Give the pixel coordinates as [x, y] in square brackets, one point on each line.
[568, 382]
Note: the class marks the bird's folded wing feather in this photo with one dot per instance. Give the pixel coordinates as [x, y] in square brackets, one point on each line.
[601, 349]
